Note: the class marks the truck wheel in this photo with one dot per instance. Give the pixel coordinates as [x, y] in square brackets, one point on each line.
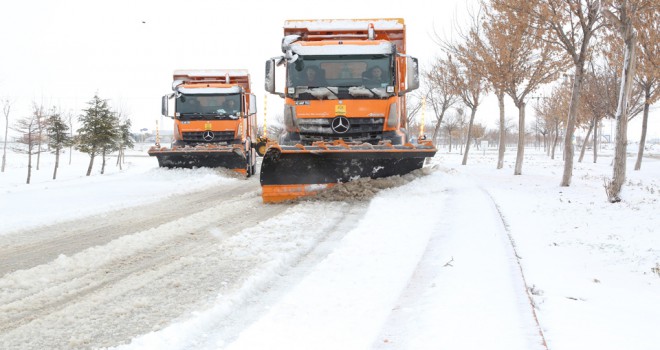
[261, 148]
[250, 159]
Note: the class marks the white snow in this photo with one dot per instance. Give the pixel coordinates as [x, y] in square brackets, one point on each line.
[74, 195]
[210, 91]
[360, 91]
[365, 48]
[425, 264]
[212, 72]
[343, 24]
[329, 92]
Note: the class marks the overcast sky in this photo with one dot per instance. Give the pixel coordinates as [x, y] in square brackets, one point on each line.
[62, 52]
[59, 53]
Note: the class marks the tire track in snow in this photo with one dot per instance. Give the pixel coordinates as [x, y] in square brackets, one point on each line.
[45, 295]
[514, 251]
[231, 314]
[467, 291]
[143, 286]
[34, 302]
[29, 248]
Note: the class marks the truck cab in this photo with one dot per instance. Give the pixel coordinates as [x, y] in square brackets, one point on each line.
[345, 80]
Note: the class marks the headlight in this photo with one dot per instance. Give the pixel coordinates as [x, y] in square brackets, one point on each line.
[393, 116]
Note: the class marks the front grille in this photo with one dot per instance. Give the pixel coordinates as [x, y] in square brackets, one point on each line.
[361, 129]
[218, 136]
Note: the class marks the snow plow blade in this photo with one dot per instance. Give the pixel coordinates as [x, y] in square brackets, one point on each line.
[289, 172]
[230, 157]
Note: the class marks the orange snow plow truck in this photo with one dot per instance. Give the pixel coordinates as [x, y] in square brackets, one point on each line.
[214, 121]
[344, 106]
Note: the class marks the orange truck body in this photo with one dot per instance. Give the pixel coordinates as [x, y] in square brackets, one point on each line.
[342, 120]
[214, 121]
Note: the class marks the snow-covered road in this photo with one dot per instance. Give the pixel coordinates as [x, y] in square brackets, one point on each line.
[426, 261]
[216, 268]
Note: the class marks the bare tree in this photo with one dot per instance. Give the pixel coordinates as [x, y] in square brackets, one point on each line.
[469, 85]
[439, 94]
[29, 131]
[491, 56]
[541, 128]
[595, 104]
[648, 68]
[571, 25]
[41, 119]
[451, 126]
[621, 15]
[413, 107]
[6, 108]
[531, 60]
[478, 132]
[551, 110]
[587, 113]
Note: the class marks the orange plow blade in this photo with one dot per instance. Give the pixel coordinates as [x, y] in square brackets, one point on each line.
[226, 156]
[289, 172]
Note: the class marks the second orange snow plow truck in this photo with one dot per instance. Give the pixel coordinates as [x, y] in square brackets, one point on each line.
[214, 121]
[344, 106]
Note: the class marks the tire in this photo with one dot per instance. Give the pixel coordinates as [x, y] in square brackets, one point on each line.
[261, 148]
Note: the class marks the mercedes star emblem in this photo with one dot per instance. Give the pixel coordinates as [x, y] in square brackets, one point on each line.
[208, 135]
[340, 125]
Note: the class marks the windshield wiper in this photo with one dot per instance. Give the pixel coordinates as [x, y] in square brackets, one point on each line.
[373, 93]
[337, 96]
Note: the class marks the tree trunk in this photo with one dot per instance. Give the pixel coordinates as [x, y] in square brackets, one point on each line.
[38, 153]
[29, 173]
[469, 136]
[57, 162]
[120, 157]
[570, 125]
[4, 149]
[619, 169]
[554, 142]
[103, 161]
[502, 145]
[449, 142]
[596, 134]
[39, 128]
[521, 138]
[72, 140]
[645, 122]
[435, 136]
[584, 143]
[91, 163]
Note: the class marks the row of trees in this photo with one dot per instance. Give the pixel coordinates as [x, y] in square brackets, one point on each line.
[102, 131]
[605, 50]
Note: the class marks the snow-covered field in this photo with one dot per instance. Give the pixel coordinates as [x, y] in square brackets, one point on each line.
[452, 257]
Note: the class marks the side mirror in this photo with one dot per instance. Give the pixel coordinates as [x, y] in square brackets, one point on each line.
[164, 106]
[270, 76]
[412, 74]
[253, 104]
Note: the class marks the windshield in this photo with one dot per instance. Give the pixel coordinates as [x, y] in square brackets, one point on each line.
[208, 106]
[333, 77]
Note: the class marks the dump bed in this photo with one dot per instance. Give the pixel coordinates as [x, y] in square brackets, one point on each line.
[238, 77]
[388, 29]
